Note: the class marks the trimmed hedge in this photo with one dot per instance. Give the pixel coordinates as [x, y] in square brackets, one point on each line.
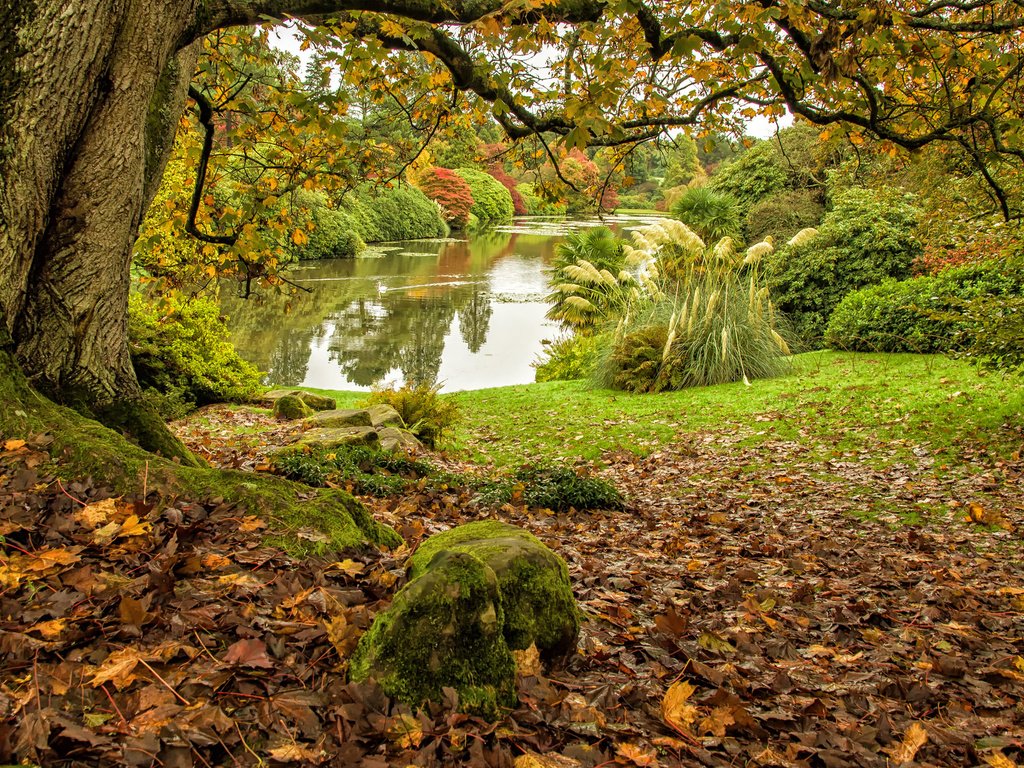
[492, 203]
[369, 215]
[904, 316]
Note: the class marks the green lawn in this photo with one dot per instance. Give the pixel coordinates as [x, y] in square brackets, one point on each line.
[833, 403]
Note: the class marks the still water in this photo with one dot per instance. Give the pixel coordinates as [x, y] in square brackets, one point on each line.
[468, 313]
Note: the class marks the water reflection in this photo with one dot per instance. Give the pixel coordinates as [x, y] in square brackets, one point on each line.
[468, 313]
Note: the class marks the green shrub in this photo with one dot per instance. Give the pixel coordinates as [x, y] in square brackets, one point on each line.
[922, 314]
[183, 353]
[368, 215]
[556, 488]
[712, 215]
[754, 176]
[569, 358]
[635, 202]
[335, 236]
[428, 415]
[992, 332]
[492, 203]
[866, 238]
[783, 215]
[365, 470]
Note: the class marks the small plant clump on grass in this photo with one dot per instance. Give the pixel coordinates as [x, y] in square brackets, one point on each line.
[428, 415]
[558, 488]
[367, 471]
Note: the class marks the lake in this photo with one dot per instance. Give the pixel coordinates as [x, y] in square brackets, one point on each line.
[468, 313]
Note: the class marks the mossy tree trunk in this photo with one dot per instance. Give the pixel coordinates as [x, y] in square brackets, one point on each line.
[81, 447]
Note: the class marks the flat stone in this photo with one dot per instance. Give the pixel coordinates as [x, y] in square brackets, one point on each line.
[383, 415]
[394, 439]
[340, 418]
[335, 437]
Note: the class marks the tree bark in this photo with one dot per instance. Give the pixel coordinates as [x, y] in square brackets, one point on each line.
[69, 248]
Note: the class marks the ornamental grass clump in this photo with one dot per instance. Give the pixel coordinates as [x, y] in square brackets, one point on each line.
[711, 321]
[590, 282]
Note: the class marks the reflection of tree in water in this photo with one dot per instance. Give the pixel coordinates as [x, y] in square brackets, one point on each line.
[475, 320]
[373, 333]
[371, 338]
[289, 357]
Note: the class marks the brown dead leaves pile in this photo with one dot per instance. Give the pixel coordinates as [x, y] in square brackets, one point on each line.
[731, 618]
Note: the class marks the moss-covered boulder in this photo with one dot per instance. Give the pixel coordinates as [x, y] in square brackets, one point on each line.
[536, 594]
[443, 629]
[315, 402]
[383, 415]
[476, 593]
[336, 437]
[346, 417]
[291, 407]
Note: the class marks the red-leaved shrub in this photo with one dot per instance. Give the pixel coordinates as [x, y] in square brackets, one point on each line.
[509, 183]
[450, 191]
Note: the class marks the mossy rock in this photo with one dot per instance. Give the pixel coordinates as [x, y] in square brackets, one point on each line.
[383, 415]
[443, 629]
[346, 417]
[476, 593]
[394, 439]
[338, 436]
[291, 407]
[315, 402]
[318, 402]
[536, 594]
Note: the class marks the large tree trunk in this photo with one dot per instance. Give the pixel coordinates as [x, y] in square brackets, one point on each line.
[69, 249]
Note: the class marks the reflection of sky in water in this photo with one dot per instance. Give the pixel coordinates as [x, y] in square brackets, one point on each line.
[469, 314]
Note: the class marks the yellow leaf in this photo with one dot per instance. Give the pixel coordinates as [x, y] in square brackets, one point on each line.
[914, 738]
[299, 237]
[351, 567]
[49, 629]
[405, 732]
[533, 760]
[13, 445]
[295, 753]
[675, 710]
[716, 722]
[134, 527]
[645, 758]
[999, 760]
[93, 516]
[527, 661]
[117, 668]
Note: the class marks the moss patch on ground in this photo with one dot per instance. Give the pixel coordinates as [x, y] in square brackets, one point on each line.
[88, 449]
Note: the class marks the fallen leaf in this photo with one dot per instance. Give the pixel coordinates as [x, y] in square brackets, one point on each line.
[637, 754]
[675, 710]
[248, 653]
[404, 731]
[295, 753]
[913, 739]
[527, 661]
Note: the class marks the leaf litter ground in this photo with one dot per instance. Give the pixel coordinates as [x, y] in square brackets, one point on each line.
[752, 606]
